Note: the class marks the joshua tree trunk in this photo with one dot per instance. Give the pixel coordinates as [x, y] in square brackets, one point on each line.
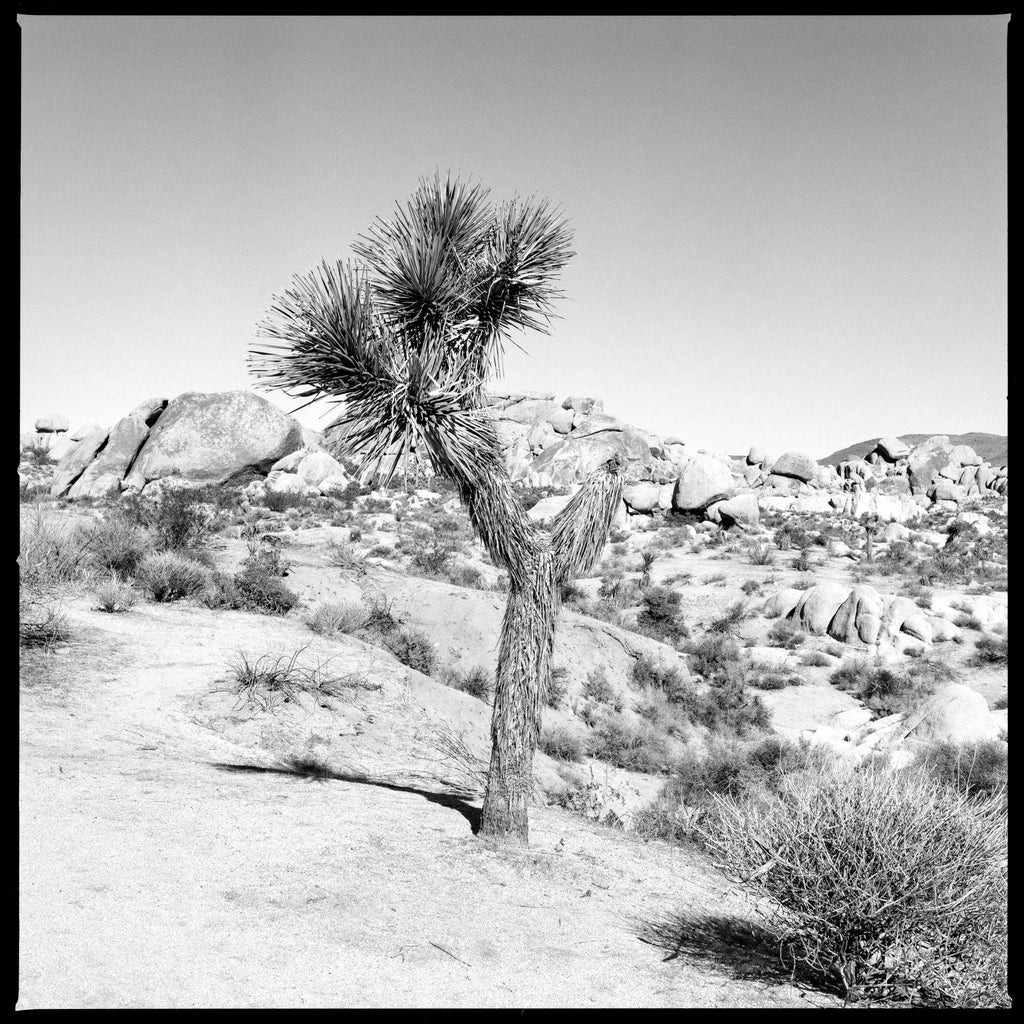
[524, 667]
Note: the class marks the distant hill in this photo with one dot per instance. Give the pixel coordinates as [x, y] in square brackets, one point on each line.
[991, 447]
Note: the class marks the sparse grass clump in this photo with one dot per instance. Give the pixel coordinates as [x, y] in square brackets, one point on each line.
[116, 595]
[889, 886]
[965, 621]
[51, 552]
[562, 744]
[259, 591]
[414, 648]
[990, 650]
[887, 690]
[760, 554]
[736, 613]
[784, 634]
[119, 545]
[599, 688]
[167, 576]
[42, 622]
[815, 659]
[638, 748]
[333, 617]
[660, 617]
[972, 768]
[477, 681]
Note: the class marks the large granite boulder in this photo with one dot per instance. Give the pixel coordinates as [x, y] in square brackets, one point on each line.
[573, 459]
[741, 510]
[892, 448]
[859, 618]
[55, 423]
[957, 714]
[796, 465]
[71, 467]
[104, 474]
[214, 438]
[702, 481]
[926, 460]
[818, 606]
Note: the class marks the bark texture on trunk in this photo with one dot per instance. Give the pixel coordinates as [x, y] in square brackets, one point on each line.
[524, 667]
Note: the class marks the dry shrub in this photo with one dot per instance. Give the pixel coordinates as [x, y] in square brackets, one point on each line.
[562, 743]
[891, 886]
[337, 617]
[41, 621]
[167, 576]
[116, 595]
[50, 550]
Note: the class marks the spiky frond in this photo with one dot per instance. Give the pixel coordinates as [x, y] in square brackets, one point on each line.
[581, 528]
[447, 265]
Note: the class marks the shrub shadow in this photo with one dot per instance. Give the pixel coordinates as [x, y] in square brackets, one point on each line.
[742, 949]
[315, 770]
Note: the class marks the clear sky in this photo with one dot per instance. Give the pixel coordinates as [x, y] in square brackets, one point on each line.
[790, 231]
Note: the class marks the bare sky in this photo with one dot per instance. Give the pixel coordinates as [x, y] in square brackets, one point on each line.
[790, 231]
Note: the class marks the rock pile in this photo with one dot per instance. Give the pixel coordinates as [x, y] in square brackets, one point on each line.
[196, 437]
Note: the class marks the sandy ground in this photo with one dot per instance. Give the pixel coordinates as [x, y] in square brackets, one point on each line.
[167, 860]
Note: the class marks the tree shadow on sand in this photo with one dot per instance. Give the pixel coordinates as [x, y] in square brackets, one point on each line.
[740, 948]
[313, 769]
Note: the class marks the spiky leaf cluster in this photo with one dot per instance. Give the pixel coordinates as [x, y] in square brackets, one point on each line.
[406, 339]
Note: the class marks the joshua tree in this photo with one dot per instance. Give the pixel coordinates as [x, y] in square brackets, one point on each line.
[406, 340]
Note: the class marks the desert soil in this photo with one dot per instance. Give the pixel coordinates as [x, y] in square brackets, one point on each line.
[168, 859]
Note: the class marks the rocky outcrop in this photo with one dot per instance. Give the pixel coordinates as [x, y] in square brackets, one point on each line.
[925, 461]
[796, 465]
[107, 470]
[703, 481]
[74, 464]
[55, 423]
[214, 438]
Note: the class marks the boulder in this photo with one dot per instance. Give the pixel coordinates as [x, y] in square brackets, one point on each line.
[859, 618]
[571, 460]
[104, 474]
[84, 431]
[54, 423]
[901, 615]
[703, 481]
[741, 510]
[289, 483]
[540, 436]
[946, 490]
[780, 605]
[926, 460]
[332, 485]
[71, 467]
[525, 412]
[583, 404]
[812, 503]
[642, 497]
[818, 606]
[796, 465]
[784, 485]
[213, 438]
[316, 467]
[892, 485]
[757, 456]
[984, 477]
[753, 475]
[956, 714]
[964, 455]
[561, 421]
[547, 508]
[895, 531]
[892, 448]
